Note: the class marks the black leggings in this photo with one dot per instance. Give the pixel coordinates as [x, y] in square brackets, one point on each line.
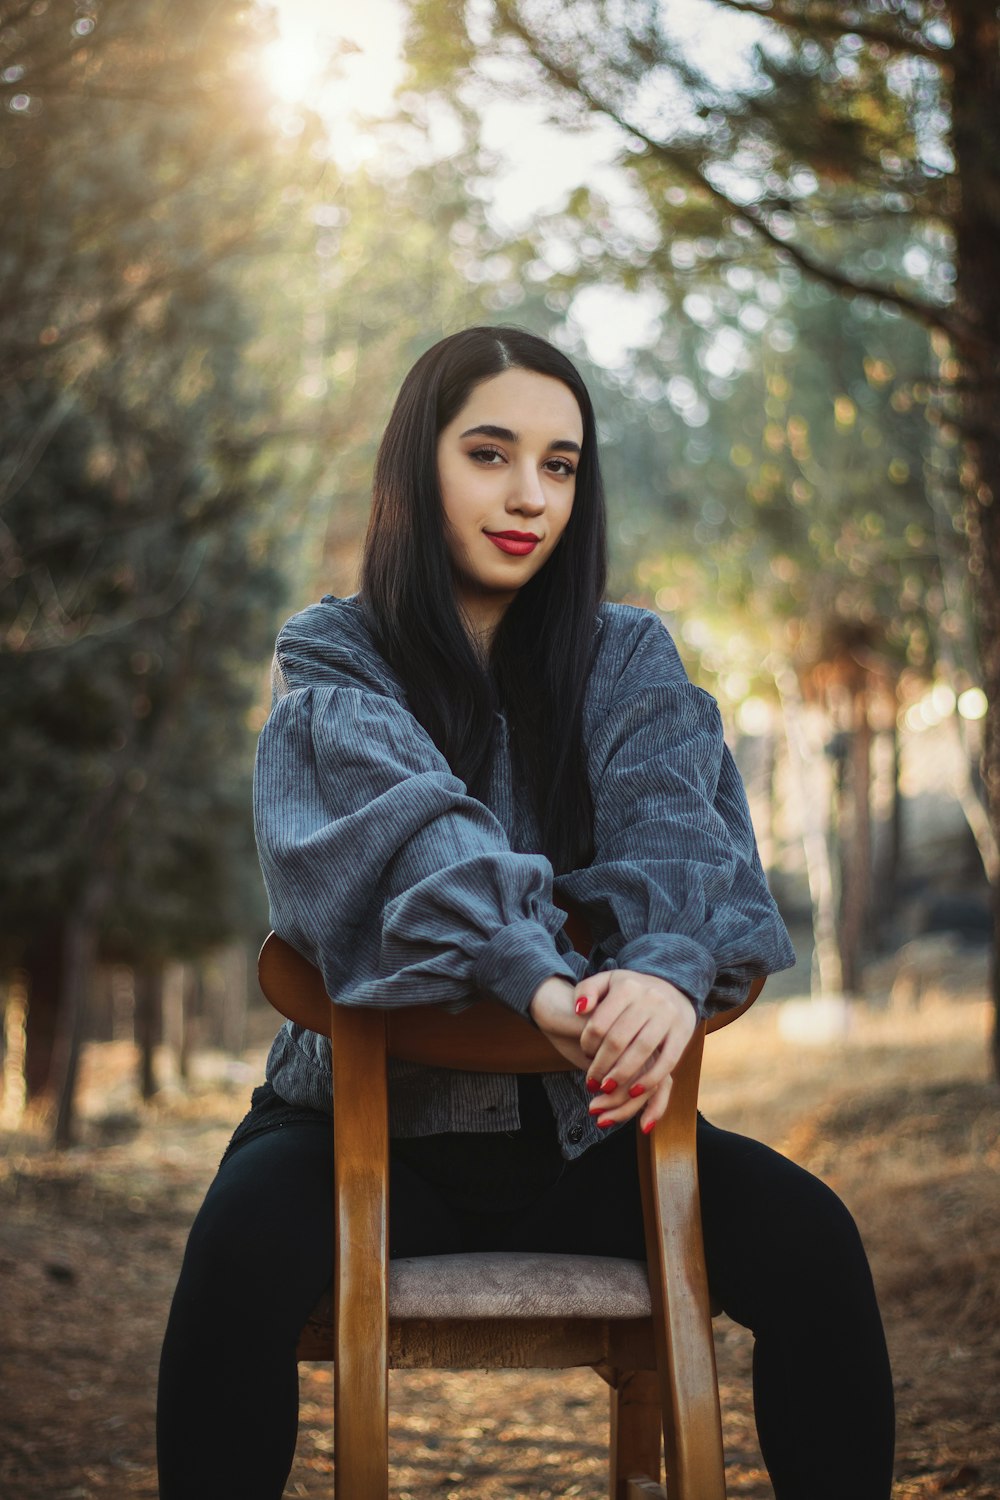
[784, 1259]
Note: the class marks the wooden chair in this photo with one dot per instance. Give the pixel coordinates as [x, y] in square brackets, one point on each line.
[645, 1329]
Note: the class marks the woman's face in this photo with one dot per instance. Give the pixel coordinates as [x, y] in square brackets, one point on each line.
[507, 473]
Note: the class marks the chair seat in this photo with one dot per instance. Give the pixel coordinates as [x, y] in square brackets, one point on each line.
[513, 1284]
[518, 1284]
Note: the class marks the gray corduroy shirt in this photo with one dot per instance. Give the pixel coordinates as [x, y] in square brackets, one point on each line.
[404, 890]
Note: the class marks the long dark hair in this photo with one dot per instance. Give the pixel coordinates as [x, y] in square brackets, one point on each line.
[541, 652]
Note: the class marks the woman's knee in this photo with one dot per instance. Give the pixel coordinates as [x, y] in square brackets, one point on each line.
[772, 1229]
[815, 1235]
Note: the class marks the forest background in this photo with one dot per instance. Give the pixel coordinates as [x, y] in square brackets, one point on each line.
[779, 276]
[766, 230]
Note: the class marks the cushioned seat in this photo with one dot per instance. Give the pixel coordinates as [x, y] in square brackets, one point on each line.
[513, 1284]
[518, 1284]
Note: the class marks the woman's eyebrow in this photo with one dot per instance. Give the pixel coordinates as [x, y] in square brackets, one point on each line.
[486, 429]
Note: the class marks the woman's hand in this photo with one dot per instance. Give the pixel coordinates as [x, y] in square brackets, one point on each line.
[553, 1010]
[636, 1028]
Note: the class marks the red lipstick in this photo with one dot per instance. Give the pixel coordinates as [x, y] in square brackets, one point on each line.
[518, 543]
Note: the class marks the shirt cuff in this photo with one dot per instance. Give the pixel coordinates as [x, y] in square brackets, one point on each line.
[516, 961]
[674, 957]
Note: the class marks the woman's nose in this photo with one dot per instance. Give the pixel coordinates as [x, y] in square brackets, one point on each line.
[527, 494]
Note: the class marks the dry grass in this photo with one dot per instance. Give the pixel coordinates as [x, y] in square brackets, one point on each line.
[900, 1118]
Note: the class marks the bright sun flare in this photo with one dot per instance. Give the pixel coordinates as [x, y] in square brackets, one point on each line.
[292, 66]
[365, 43]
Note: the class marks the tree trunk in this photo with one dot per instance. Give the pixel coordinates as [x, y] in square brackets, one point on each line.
[175, 1002]
[43, 963]
[855, 902]
[148, 985]
[975, 62]
[79, 954]
[121, 988]
[886, 831]
[826, 974]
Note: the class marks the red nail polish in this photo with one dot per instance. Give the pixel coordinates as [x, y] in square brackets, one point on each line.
[647, 1128]
[593, 1085]
[608, 1086]
[604, 1122]
[581, 1005]
[636, 1090]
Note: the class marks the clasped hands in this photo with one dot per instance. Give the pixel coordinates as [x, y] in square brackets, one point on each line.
[625, 1030]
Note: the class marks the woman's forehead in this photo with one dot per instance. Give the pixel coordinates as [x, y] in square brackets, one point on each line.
[525, 403]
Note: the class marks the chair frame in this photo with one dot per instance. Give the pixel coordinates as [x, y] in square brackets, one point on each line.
[660, 1370]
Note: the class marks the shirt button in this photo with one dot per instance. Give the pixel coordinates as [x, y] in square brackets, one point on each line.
[574, 1134]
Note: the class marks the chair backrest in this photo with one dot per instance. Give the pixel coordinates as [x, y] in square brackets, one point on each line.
[486, 1037]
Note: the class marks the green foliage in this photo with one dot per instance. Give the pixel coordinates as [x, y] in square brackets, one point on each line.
[139, 597]
[782, 505]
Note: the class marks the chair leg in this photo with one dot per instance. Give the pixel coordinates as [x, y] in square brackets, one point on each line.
[361, 1319]
[635, 1433]
[678, 1287]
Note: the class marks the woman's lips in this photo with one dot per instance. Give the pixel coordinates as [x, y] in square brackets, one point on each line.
[516, 542]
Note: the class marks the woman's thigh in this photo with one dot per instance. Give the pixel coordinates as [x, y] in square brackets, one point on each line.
[267, 1220]
[266, 1225]
[776, 1237]
[263, 1237]
[765, 1220]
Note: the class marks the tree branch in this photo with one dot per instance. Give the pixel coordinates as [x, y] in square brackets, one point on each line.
[814, 25]
[931, 316]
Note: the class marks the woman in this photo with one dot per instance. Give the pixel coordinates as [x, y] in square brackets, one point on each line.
[455, 753]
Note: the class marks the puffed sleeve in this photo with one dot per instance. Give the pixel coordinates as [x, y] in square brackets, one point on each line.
[676, 886]
[381, 869]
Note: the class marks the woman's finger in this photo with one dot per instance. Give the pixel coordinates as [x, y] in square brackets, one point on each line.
[651, 1105]
[663, 1061]
[639, 1086]
[634, 1035]
[589, 993]
[614, 1114]
[600, 1021]
[656, 1106]
[648, 1057]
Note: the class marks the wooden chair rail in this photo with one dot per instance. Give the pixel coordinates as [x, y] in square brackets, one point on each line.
[485, 1037]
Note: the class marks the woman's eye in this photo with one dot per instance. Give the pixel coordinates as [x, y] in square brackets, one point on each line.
[561, 466]
[488, 456]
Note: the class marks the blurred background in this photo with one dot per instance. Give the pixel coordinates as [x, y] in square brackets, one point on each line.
[766, 231]
[228, 232]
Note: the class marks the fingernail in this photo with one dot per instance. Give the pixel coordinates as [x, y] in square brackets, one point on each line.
[581, 1005]
[608, 1086]
[604, 1122]
[636, 1090]
[593, 1085]
[647, 1127]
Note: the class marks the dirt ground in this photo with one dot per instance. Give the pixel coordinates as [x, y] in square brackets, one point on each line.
[899, 1116]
